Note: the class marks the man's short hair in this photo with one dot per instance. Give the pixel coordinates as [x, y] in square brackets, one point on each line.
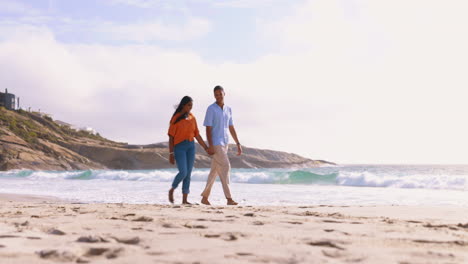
[218, 87]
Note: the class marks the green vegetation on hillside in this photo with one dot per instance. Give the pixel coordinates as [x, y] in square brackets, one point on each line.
[31, 127]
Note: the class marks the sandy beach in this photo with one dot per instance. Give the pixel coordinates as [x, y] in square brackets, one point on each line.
[36, 229]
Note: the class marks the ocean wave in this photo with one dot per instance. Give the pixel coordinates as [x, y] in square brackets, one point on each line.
[343, 176]
[414, 181]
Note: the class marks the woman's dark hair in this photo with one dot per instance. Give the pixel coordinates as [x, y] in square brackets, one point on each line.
[185, 100]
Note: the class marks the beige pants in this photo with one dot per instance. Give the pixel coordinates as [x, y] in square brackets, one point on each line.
[219, 166]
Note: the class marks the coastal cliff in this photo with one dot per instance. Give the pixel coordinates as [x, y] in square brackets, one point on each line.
[31, 141]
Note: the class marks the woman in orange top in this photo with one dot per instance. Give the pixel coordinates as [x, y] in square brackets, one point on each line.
[183, 128]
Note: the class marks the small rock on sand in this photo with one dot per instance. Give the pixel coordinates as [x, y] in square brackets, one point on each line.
[143, 219]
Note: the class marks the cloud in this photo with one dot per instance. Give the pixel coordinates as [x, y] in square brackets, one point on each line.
[181, 5]
[16, 8]
[145, 31]
[349, 83]
[138, 3]
[245, 3]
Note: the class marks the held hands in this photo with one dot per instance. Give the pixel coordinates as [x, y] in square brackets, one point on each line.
[171, 159]
[209, 150]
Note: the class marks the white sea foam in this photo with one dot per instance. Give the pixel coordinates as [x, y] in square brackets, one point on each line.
[421, 181]
[416, 177]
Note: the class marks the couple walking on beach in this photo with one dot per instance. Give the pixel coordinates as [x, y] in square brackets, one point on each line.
[182, 131]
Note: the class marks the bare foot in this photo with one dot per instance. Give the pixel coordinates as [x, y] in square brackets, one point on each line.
[185, 202]
[204, 200]
[171, 195]
[231, 202]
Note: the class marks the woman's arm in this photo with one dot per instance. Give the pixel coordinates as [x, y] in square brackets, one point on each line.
[171, 150]
[203, 144]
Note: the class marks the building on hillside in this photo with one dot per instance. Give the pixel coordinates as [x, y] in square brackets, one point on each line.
[88, 129]
[42, 114]
[7, 100]
[65, 124]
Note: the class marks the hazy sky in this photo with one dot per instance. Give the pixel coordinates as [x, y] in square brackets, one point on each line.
[350, 81]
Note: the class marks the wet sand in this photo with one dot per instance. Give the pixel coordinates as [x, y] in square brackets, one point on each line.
[37, 229]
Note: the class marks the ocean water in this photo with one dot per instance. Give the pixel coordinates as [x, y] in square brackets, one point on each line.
[340, 185]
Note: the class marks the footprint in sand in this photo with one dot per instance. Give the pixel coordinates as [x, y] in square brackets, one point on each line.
[230, 237]
[454, 242]
[96, 251]
[249, 214]
[332, 221]
[212, 236]
[110, 253]
[293, 223]
[128, 241]
[195, 226]
[231, 216]
[325, 243]
[333, 230]
[54, 231]
[334, 253]
[116, 218]
[155, 253]
[82, 260]
[307, 213]
[434, 255]
[53, 254]
[8, 236]
[127, 215]
[167, 225]
[143, 219]
[114, 253]
[414, 222]
[26, 223]
[225, 237]
[258, 223]
[91, 239]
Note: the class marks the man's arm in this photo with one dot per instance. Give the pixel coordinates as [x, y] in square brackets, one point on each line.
[210, 139]
[234, 136]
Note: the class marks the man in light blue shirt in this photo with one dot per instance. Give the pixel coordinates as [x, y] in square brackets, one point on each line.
[218, 121]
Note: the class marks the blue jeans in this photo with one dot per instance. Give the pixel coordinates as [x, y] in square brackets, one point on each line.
[184, 154]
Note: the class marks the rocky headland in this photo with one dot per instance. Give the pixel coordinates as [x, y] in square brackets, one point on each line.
[36, 142]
